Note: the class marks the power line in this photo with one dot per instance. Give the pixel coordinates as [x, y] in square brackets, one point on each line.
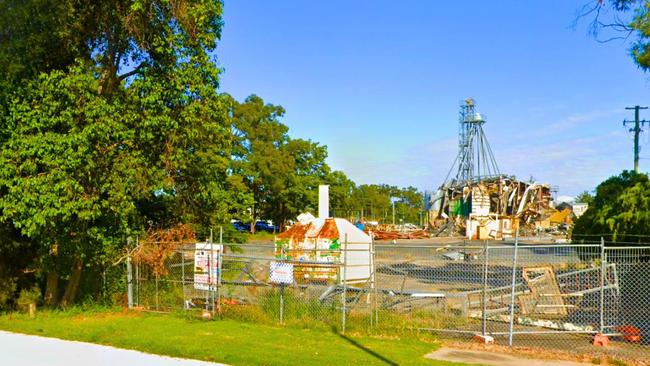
[637, 130]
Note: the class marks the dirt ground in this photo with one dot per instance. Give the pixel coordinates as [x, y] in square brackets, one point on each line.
[495, 359]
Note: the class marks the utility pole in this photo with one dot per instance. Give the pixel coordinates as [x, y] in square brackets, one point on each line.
[637, 130]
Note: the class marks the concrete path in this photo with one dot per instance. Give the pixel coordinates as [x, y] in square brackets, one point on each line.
[493, 359]
[26, 350]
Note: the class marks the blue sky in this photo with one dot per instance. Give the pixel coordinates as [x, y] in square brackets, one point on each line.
[379, 83]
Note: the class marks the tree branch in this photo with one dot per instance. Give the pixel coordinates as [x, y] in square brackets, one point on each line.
[131, 73]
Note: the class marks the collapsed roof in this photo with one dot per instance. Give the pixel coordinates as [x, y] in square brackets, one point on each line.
[479, 199]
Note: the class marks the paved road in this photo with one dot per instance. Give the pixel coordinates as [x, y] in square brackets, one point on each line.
[26, 350]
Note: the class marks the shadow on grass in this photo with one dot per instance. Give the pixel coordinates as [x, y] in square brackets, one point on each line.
[364, 348]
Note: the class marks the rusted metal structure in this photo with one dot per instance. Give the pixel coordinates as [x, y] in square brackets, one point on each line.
[479, 200]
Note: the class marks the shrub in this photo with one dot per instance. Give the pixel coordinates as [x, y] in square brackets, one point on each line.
[29, 296]
[7, 291]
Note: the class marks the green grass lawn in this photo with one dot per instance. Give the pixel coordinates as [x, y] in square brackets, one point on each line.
[228, 341]
[260, 237]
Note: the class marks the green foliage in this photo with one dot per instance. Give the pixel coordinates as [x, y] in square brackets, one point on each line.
[17, 256]
[7, 291]
[122, 38]
[585, 197]
[631, 17]
[281, 173]
[111, 122]
[620, 211]
[29, 296]
[298, 309]
[641, 25]
[374, 202]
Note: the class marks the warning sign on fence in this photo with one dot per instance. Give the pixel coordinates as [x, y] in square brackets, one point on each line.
[206, 266]
[281, 272]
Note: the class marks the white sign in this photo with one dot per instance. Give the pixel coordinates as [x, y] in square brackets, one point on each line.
[206, 266]
[281, 272]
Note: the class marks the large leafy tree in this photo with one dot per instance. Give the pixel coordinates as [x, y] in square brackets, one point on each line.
[620, 211]
[341, 190]
[111, 122]
[257, 158]
[299, 191]
[282, 173]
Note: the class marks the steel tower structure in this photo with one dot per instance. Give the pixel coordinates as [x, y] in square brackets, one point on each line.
[475, 161]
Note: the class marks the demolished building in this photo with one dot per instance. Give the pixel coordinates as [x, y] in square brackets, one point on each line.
[478, 200]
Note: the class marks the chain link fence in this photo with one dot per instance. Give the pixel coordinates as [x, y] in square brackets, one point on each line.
[555, 297]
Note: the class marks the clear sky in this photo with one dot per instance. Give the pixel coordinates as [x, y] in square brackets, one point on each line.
[379, 83]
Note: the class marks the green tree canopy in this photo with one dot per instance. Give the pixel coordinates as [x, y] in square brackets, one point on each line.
[620, 211]
[111, 123]
[282, 173]
[585, 197]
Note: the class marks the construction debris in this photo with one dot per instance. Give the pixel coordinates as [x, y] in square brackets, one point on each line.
[545, 296]
[481, 202]
[394, 235]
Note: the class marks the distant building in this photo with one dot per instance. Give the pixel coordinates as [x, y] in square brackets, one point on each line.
[561, 217]
[579, 208]
[554, 218]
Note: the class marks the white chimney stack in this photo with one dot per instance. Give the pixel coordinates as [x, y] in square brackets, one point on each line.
[323, 201]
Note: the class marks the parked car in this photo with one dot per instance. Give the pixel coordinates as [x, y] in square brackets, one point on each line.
[240, 226]
[259, 226]
[266, 226]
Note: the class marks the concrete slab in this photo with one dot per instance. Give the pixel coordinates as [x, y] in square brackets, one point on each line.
[27, 350]
[493, 359]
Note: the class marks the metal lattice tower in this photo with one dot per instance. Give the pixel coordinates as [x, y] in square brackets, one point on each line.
[475, 161]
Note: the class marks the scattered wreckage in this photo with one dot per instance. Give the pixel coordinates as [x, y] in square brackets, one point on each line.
[479, 201]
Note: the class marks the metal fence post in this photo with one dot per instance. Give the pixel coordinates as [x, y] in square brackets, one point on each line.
[281, 303]
[512, 289]
[183, 276]
[343, 296]
[157, 292]
[137, 276]
[485, 285]
[219, 267]
[137, 284]
[371, 280]
[129, 281]
[602, 285]
[374, 280]
[211, 279]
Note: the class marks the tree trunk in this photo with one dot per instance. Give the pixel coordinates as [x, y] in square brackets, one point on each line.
[51, 289]
[73, 284]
